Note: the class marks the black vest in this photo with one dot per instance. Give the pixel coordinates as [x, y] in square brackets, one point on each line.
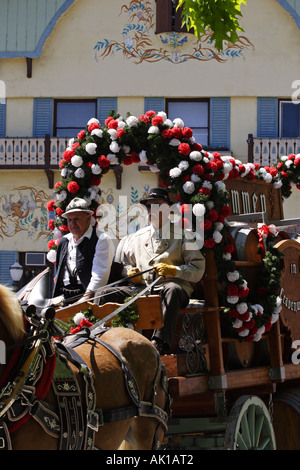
[84, 260]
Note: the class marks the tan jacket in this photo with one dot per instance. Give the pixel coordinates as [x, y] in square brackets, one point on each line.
[139, 250]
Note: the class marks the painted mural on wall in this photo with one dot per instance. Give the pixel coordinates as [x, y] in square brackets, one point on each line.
[138, 34]
[24, 211]
[24, 217]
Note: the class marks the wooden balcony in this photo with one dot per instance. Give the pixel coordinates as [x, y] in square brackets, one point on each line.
[42, 153]
[266, 151]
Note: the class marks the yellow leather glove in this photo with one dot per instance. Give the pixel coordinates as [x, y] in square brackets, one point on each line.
[131, 272]
[163, 269]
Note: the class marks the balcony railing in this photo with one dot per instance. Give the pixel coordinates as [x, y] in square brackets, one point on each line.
[266, 151]
[31, 152]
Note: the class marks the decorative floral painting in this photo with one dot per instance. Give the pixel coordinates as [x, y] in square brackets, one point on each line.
[24, 210]
[139, 42]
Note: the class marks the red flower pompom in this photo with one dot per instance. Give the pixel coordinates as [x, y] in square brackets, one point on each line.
[184, 149]
[93, 125]
[50, 206]
[73, 187]
[81, 135]
[103, 161]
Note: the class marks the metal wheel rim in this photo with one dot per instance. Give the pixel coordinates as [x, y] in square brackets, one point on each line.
[249, 426]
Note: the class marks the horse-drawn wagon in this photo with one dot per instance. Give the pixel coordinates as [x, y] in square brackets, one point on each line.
[228, 393]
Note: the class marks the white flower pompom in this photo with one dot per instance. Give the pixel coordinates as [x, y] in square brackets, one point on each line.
[126, 149]
[220, 186]
[79, 173]
[113, 159]
[61, 196]
[113, 134]
[92, 120]
[188, 187]
[174, 142]
[195, 178]
[195, 155]
[233, 276]
[268, 178]
[168, 123]
[217, 236]
[242, 307]
[183, 165]
[71, 142]
[227, 256]
[132, 121]
[76, 161]
[274, 318]
[244, 332]
[178, 123]
[218, 226]
[64, 172]
[277, 184]
[175, 172]
[96, 169]
[162, 114]
[210, 205]
[143, 156]
[114, 147]
[237, 323]
[56, 234]
[198, 209]
[78, 317]
[232, 299]
[97, 132]
[91, 148]
[51, 256]
[121, 124]
[153, 130]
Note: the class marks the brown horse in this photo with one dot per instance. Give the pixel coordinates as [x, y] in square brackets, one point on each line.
[111, 393]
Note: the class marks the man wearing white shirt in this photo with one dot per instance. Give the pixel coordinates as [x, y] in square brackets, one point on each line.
[84, 256]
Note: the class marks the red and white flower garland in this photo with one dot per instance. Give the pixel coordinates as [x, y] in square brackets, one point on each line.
[196, 176]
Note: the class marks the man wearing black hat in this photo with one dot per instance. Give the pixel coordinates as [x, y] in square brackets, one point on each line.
[84, 256]
[163, 246]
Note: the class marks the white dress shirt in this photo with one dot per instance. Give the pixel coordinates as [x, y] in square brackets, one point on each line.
[103, 257]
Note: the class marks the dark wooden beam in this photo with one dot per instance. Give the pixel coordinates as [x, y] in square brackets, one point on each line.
[29, 67]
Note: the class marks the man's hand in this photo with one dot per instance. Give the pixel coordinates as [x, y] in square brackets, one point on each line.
[87, 295]
[131, 272]
[163, 269]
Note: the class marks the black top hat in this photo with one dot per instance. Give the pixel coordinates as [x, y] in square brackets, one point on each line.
[156, 194]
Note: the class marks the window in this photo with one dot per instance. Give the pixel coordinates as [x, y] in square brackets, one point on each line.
[168, 19]
[289, 119]
[195, 114]
[70, 117]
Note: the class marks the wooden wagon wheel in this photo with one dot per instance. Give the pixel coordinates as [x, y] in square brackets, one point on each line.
[249, 426]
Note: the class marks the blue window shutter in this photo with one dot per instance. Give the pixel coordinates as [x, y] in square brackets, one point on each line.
[7, 259]
[154, 104]
[104, 107]
[267, 117]
[42, 117]
[219, 123]
[2, 119]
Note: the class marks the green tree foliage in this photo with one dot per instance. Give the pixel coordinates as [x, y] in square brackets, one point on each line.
[220, 16]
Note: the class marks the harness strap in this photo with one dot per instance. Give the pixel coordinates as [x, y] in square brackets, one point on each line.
[5, 441]
[131, 384]
[69, 402]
